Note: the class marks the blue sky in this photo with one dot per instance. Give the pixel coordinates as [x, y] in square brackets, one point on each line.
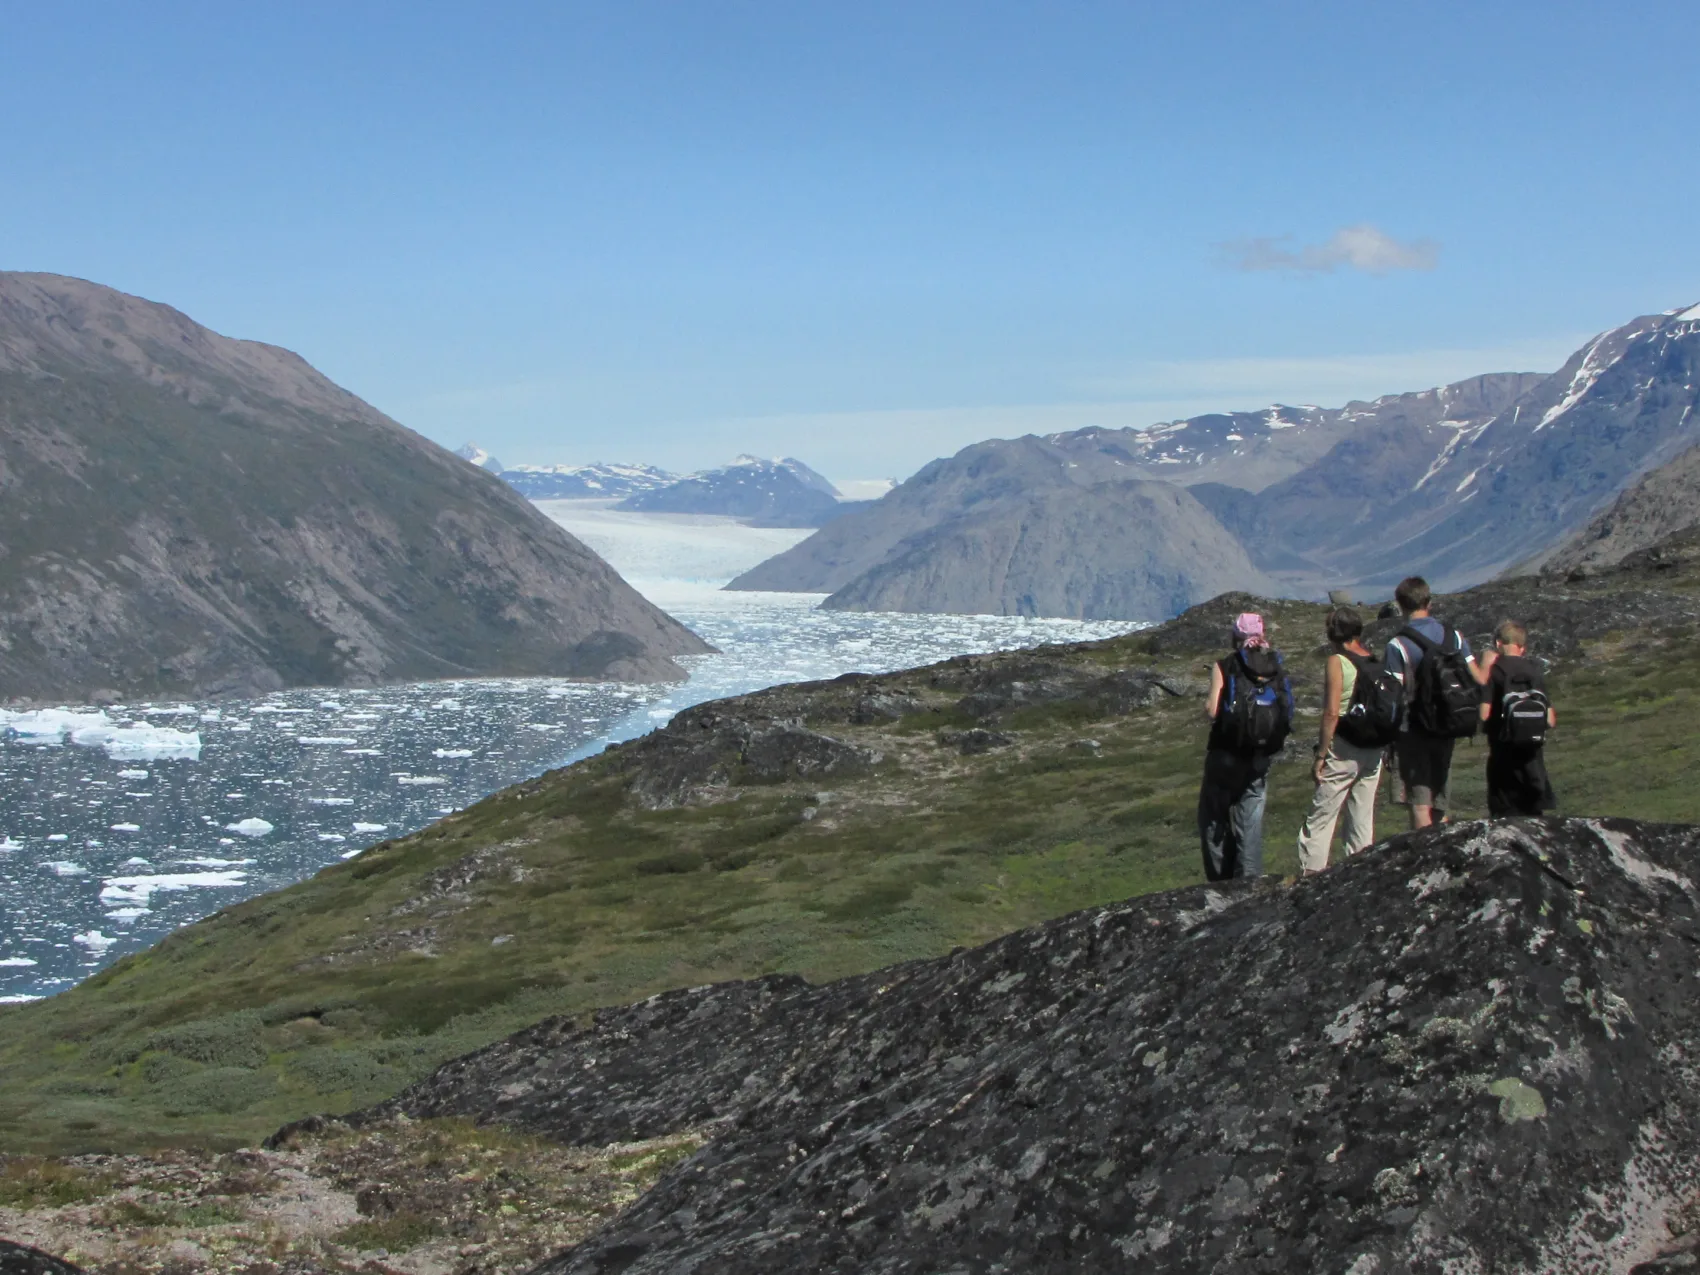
[865, 234]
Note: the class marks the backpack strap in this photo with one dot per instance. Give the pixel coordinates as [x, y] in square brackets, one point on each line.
[1427, 644]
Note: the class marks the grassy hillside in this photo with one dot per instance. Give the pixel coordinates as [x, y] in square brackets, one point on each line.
[688, 857]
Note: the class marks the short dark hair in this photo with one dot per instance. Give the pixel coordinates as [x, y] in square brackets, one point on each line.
[1344, 624]
[1511, 633]
[1413, 594]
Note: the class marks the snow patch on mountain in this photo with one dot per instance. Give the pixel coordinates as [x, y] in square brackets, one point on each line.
[1594, 364]
[472, 454]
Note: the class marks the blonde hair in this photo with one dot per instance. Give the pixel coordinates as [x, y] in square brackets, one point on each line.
[1511, 633]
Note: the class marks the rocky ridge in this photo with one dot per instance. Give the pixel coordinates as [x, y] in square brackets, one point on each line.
[1068, 509]
[1659, 505]
[1458, 484]
[186, 514]
[1339, 1074]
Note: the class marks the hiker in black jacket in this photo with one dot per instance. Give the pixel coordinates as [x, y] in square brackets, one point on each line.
[1518, 715]
[1442, 687]
[1251, 710]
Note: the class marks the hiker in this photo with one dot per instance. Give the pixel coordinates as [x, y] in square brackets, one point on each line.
[1250, 706]
[1362, 707]
[1518, 715]
[1442, 697]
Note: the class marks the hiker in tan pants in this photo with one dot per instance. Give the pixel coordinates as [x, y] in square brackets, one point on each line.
[1346, 773]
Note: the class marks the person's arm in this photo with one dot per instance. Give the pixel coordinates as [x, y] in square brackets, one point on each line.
[1333, 683]
[1552, 717]
[1213, 700]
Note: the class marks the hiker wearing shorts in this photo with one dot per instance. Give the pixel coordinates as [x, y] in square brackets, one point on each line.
[1357, 725]
[1439, 707]
[1250, 706]
[1517, 714]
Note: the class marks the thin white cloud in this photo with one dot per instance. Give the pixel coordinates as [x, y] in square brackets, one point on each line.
[1363, 247]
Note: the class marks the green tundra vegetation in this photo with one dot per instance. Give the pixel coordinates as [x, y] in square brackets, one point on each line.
[582, 889]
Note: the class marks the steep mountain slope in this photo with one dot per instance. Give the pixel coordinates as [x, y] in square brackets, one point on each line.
[1660, 504]
[765, 493]
[1384, 504]
[182, 513]
[1129, 550]
[1252, 450]
[585, 482]
[1224, 457]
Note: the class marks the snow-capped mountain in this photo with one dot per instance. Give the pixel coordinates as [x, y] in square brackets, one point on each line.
[1482, 498]
[585, 482]
[475, 455]
[770, 493]
[1457, 483]
[1252, 450]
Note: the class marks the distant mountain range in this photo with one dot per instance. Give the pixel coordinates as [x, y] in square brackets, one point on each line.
[765, 493]
[1459, 483]
[186, 514]
[783, 492]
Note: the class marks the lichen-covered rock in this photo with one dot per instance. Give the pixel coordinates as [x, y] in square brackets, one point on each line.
[1468, 1049]
[713, 746]
[16, 1259]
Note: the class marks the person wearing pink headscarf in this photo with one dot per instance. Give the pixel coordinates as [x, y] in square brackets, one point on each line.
[1250, 706]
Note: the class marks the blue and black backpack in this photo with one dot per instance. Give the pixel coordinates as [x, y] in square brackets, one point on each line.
[1255, 714]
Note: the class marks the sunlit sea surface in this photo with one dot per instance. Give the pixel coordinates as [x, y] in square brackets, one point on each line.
[119, 825]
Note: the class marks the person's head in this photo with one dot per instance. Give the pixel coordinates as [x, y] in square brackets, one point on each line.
[1344, 625]
[1511, 637]
[1413, 595]
[1248, 630]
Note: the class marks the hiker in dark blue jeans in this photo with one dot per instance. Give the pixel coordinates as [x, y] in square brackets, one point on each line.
[1250, 706]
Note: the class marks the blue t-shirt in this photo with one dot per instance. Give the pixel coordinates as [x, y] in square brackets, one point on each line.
[1402, 652]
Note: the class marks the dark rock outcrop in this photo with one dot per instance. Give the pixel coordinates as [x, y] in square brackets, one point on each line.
[1467, 1049]
[16, 1259]
[1661, 504]
[182, 513]
[705, 749]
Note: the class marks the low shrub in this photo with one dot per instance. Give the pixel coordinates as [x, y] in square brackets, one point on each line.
[217, 1091]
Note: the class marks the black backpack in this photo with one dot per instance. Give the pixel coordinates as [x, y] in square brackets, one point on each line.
[1377, 707]
[1445, 700]
[1523, 708]
[1255, 713]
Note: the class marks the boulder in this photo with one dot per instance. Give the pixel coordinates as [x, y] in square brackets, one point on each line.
[1467, 1049]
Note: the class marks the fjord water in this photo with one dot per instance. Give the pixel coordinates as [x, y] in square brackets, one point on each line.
[118, 826]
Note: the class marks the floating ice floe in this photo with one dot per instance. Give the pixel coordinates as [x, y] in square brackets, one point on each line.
[123, 741]
[332, 836]
[126, 827]
[138, 890]
[128, 914]
[249, 827]
[215, 863]
[361, 752]
[65, 868]
[349, 854]
[57, 836]
[421, 780]
[323, 739]
[331, 801]
[371, 827]
[94, 940]
[15, 962]
[132, 774]
[451, 752]
[171, 710]
[18, 1000]
[6, 843]
[134, 862]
